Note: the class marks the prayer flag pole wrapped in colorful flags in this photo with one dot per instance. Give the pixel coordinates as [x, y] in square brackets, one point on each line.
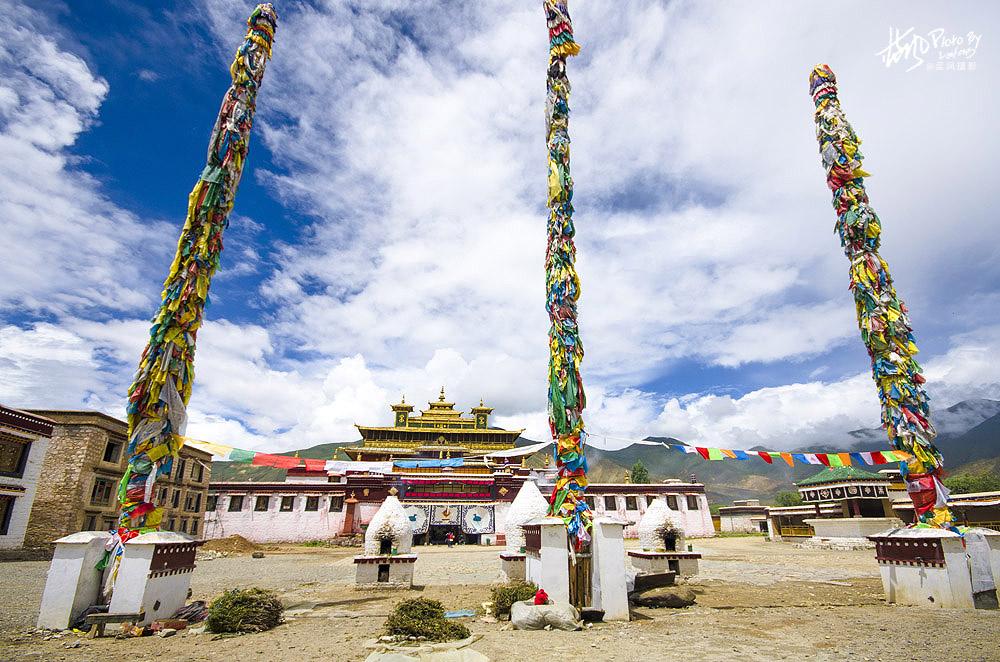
[566, 396]
[882, 316]
[159, 395]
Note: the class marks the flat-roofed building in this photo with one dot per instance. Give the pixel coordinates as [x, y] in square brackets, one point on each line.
[24, 438]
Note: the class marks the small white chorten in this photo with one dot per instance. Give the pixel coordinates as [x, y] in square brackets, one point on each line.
[389, 531]
[529, 504]
[388, 560]
[660, 526]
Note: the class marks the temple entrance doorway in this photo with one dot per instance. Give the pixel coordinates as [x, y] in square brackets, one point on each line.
[437, 534]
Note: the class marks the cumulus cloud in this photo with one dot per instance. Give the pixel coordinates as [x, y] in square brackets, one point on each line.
[68, 247]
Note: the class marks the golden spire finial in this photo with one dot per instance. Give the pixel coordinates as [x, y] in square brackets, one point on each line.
[441, 397]
[403, 400]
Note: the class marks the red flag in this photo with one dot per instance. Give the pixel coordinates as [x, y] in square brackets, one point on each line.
[877, 458]
[702, 451]
[279, 461]
[822, 457]
[764, 455]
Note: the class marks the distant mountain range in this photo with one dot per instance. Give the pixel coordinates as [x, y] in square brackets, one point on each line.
[969, 438]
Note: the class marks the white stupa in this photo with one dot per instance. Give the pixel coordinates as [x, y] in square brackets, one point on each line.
[658, 525]
[389, 530]
[529, 504]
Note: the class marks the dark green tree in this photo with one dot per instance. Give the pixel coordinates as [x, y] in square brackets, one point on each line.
[788, 498]
[639, 473]
[969, 483]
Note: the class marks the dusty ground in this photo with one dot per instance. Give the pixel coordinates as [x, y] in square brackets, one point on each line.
[756, 600]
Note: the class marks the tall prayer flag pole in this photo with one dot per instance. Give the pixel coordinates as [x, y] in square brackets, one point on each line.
[566, 396]
[159, 395]
[882, 316]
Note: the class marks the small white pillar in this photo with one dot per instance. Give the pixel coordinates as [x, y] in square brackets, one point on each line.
[609, 589]
[154, 575]
[548, 568]
[73, 582]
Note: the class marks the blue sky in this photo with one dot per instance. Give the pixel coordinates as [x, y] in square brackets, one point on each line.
[388, 235]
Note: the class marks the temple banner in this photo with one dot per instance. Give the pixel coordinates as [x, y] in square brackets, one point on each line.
[419, 516]
[477, 519]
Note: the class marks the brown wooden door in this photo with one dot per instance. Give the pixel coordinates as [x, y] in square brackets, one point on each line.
[579, 578]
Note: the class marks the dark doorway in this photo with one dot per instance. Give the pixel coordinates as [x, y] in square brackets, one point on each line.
[383, 573]
[385, 546]
[670, 541]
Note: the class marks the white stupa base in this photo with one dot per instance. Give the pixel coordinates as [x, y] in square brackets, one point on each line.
[154, 576]
[933, 568]
[73, 583]
[683, 564]
[385, 571]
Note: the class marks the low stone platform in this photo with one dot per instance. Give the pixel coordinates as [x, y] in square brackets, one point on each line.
[683, 564]
[385, 570]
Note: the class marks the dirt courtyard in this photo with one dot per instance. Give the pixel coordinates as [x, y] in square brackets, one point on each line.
[756, 600]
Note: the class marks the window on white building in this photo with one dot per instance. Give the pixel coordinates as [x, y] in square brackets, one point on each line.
[262, 504]
[287, 504]
[672, 501]
[336, 504]
[235, 504]
[631, 503]
[312, 503]
[692, 502]
[610, 503]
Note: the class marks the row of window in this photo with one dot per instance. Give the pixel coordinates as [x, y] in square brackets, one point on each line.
[185, 525]
[632, 502]
[286, 504]
[113, 455]
[103, 494]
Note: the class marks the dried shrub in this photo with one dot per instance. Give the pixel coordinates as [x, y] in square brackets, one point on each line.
[245, 610]
[504, 595]
[421, 617]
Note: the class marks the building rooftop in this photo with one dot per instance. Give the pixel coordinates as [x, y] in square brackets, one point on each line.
[839, 475]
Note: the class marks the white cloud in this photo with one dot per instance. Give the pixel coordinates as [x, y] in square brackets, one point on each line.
[67, 247]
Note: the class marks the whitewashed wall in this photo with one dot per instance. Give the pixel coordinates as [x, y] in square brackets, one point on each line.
[272, 525]
[697, 523]
[14, 537]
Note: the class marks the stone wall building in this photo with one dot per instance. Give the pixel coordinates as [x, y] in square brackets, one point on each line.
[24, 438]
[744, 516]
[79, 479]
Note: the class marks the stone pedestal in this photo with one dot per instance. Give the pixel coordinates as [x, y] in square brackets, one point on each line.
[512, 566]
[155, 575]
[683, 564]
[385, 571]
[547, 557]
[73, 583]
[609, 588]
[937, 568]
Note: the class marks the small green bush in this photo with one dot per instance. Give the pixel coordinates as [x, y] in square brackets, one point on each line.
[245, 610]
[421, 617]
[504, 595]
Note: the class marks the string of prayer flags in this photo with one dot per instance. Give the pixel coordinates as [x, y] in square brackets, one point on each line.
[826, 459]
[566, 399]
[883, 318]
[159, 394]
